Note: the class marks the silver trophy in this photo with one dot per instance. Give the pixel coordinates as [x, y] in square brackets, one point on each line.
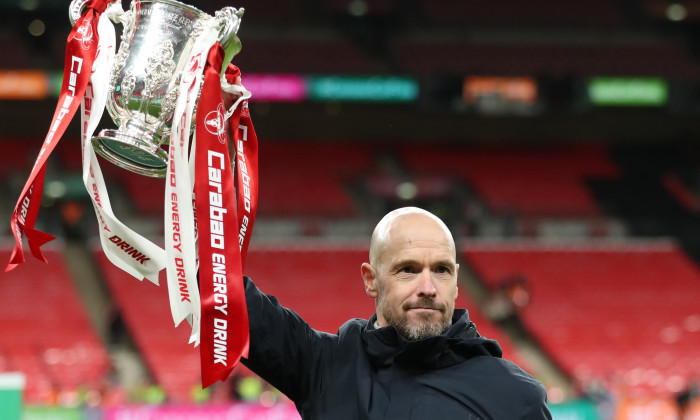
[156, 43]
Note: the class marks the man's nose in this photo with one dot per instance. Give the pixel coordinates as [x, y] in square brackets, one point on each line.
[426, 286]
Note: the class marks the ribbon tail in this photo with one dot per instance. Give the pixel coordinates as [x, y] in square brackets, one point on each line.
[16, 259]
[196, 323]
[153, 278]
[211, 376]
[37, 239]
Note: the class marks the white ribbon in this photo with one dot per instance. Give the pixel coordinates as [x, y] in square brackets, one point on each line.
[180, 226]
[234, 89]
[125, 248]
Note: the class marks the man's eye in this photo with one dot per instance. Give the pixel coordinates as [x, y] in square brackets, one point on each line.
[406, 269]
[442, 270]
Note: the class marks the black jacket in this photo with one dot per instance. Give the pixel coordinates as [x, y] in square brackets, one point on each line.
[368, 373]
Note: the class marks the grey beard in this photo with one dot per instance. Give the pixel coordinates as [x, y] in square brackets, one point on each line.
[415, 332]
[422, 329]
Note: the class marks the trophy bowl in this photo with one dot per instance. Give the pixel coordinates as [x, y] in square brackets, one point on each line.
[156, 44]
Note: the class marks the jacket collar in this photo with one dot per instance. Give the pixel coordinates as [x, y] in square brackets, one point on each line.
[458, 343]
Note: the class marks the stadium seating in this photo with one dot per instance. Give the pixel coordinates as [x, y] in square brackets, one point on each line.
[527, 181]
[373, 8]
[460, 58]
[46, 332]
[18, 55]
[145, 310]
[18, 155]
[277, 12]
[146, 194]
[298, 180]
[320, 282]
[626, 314]
[304, 56]
[308, 179]
[512, 13]
[69, 154]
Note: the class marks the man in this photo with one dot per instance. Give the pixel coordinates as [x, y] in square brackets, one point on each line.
[416, 358]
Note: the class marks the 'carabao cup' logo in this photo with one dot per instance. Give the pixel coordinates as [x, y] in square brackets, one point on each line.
[214, 123]
[84, 34]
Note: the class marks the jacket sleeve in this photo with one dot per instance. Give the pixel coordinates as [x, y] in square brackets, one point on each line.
[540, 410]
[284, 350]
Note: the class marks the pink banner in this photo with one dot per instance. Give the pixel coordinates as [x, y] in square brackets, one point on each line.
[240, 411]
[275, 87]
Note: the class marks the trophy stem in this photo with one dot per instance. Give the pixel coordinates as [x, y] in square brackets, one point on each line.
[141, 154]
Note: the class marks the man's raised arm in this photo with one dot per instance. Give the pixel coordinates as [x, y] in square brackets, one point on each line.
[284, 350]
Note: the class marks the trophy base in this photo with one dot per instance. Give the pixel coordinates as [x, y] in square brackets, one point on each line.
[131, 153]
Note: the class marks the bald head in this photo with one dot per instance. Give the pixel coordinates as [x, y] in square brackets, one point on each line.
[395, 222]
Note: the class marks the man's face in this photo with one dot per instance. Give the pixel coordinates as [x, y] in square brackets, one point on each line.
[414, 280]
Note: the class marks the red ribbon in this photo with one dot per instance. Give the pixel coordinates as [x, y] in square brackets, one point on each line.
[220, 221]
[246, 143]
[81, 51]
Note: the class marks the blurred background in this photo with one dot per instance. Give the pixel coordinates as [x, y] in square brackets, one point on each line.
[558, 141]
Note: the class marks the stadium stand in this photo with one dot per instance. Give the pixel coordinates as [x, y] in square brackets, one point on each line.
[69, 155]
[459, 57]
[373, 8]
[509, 13]
[46, 332]
[299, 179]
[625, 314]
[146, 194]
[529, 181]
[18, 156]
[320, 282]
[277, 12]
[308, 178]
[306, 56]
[18, 55]
[622, 313]
[145, 310]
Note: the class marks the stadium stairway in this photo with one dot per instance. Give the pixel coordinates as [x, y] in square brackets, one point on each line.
[99, 307]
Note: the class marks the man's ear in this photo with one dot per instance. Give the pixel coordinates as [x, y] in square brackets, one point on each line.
[457, 276]
[369, 277]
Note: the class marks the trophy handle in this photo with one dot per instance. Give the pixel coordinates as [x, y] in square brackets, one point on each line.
[230, 19]
[77, 8]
